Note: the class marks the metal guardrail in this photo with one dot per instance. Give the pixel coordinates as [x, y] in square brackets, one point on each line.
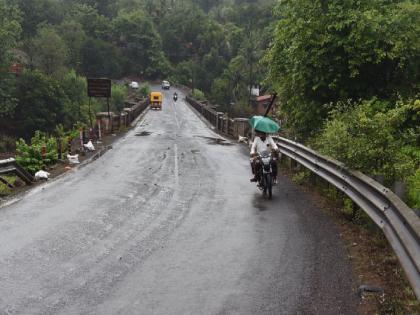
[398, 222]
[10, 166]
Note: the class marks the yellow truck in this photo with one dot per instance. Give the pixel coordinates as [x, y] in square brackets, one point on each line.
[156, 99]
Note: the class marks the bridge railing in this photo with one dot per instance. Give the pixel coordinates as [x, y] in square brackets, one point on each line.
[399, 223]
[10, 166]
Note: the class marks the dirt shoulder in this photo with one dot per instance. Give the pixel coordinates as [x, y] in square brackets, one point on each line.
[375, 266]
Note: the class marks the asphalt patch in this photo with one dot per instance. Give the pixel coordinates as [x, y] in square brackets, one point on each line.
[212, 140]
[143, 134]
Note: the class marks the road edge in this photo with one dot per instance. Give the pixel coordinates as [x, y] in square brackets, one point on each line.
[8, 201]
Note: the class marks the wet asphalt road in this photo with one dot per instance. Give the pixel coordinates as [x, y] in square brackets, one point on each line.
[168, 223]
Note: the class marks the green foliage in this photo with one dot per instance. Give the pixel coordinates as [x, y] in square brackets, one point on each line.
[30, 155]
[4, 189]
[10, 30]
[94, 24]
[41, 104]
[241, 110]
[140, 44]
[37, 12]
[144, 90]
[198, 95]
[370, 136]
[119, 93]
[74, 36]
[333, 51]
[414, 189]
[50, 51]
[192, 42]
[100, 59]
[76, 105]
[9, 34]
[182, 73]
[301, 177]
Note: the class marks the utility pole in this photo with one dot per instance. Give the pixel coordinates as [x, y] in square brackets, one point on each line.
[271, 104]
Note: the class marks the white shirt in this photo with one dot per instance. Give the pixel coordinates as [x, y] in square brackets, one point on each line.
[258, 145]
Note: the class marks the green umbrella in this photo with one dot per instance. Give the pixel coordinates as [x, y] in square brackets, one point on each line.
[264, 124]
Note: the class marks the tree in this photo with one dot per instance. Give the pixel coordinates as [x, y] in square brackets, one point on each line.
[76, 105]
[50, 51]
[37, 12]
[94, 24]
[40, 106]
[74, 36]
[140, 44]
[100, 59]
[9, 33]
[324, 52]
[119, 93]
[372, 136]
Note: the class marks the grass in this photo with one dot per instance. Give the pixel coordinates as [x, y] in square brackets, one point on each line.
[4, 190]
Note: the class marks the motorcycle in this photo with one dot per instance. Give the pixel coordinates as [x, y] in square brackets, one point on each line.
[265, 173]
[175, 97]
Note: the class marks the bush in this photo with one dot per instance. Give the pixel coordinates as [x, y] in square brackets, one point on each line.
[30, 156]
[373, 137]
[414, 190]
[4, 189]
[198, 95]
[119, 94]
[144, 90]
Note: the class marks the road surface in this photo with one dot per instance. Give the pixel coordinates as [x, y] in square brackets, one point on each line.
[168, 223]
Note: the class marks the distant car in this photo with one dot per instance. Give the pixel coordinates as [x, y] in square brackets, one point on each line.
[166, 85]
[134, 85]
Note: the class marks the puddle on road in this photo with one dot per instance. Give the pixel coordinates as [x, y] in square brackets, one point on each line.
[212, 140]
[143, 134]
[257, 203]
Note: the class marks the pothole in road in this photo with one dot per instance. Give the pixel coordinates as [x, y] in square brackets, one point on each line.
[143, 134]
[212, 140]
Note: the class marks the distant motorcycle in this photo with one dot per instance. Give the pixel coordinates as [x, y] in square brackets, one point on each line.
[265, 173]
[175, 97]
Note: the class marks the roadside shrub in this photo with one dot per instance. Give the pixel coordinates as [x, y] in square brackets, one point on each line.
[4, 189]
[301, 177]
[241, 110]
[144, 90]
[119, 94]
[30, 155]
[198, 95]
[414, 190]
[375, 137]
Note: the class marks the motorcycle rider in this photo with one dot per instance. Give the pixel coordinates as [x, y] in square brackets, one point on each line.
[262, 142]
[175, 96]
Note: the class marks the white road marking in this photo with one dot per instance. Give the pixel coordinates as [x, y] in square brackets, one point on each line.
[175, 114]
